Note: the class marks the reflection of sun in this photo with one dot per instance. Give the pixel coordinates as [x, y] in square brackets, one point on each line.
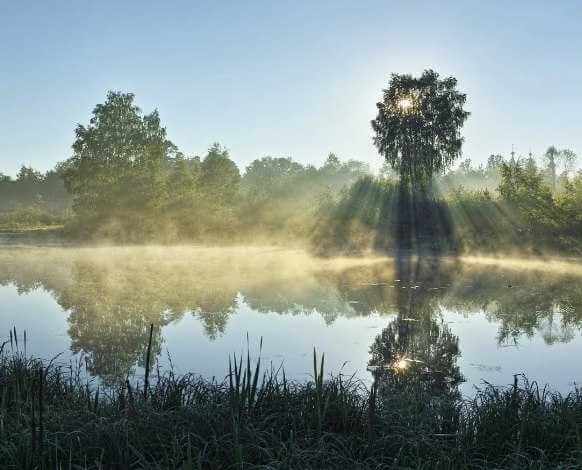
[405, 104]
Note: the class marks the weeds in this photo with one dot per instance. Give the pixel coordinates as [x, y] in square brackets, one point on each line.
[50, 417]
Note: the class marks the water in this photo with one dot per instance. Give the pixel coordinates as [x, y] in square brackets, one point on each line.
[462, 321]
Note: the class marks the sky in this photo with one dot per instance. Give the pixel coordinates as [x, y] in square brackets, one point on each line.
[286, 78]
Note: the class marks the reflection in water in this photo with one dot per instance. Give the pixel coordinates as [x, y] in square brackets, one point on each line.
[416, 348]
[112, 295]
[425, 351]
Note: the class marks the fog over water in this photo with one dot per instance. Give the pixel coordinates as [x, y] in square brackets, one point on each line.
[468, 319]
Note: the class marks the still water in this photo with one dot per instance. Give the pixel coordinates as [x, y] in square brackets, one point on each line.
[465, 320]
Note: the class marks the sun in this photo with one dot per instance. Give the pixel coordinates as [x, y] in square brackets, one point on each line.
[401, 364]
[405, 103]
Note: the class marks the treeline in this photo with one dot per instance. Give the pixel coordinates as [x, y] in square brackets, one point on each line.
[556, 168]
[126, 182]
[528, 211]
[193, 198]
[33, 199]
[131, 184]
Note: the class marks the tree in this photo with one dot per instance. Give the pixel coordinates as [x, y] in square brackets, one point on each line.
[494, 162]
[28, 175]
[332, 163]
[417, 129]
[119, 160]
[220, 178]
[465, 166]
[568, 159]
[268, 178]
[529, 198]
[551, 156]
[530, 163]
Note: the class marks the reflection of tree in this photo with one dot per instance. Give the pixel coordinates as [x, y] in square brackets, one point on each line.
[415, 347]
[109, 318]
[555, 330]
[112, 295]
[421, 350]
[523, 303]
[112, 303]
[113, 298]
[214, 307]
[312, 295]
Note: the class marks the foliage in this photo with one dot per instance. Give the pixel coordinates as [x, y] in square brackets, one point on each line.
[52, 419]
[31, 218]
[34, 189]
[33, 201]
[506, 206]
[130, 184]
[417, 129]
[120, 163]
[472, 178]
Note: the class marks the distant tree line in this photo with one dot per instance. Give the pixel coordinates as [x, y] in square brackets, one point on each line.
[33, 188]
[126, 182]
[513, 208]
[555, 166]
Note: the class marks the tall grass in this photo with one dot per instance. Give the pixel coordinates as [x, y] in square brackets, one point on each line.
[51, 418]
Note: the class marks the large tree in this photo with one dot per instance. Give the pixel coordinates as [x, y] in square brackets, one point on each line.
[417, 129]
[120, 160]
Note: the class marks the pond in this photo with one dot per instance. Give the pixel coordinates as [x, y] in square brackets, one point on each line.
[465, 320]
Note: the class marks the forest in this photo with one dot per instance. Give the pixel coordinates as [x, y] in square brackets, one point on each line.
[127, 183]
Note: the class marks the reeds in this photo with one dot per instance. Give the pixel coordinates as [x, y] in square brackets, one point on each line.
[50, 417]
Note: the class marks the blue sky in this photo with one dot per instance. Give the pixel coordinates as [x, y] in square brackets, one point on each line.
[286, 78]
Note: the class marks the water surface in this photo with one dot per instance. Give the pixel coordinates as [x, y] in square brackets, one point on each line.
[458, 321]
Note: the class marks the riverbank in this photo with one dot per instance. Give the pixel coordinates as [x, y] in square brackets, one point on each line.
[51, 418]
[33, 236]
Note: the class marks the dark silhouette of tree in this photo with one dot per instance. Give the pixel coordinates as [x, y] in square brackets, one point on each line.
[417, 129]
[418, 132]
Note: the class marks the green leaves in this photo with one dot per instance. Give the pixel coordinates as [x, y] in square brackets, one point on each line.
[120, 160]
[417, 129]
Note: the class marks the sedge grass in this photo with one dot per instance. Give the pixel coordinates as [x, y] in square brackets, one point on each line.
[51, 418]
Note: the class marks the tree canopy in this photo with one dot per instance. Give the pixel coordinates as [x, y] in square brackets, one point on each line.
[417, 128]
[120, 149]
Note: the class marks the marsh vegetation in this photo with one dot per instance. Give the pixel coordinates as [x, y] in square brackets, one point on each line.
[257, 418]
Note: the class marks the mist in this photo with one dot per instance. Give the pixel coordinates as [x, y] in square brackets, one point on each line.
[413, 286]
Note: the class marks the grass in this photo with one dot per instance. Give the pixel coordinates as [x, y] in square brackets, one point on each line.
[51, 418]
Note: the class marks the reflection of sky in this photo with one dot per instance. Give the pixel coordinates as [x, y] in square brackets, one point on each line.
[42, 318]
[482, 358]
[286, 338]
[291, 338]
